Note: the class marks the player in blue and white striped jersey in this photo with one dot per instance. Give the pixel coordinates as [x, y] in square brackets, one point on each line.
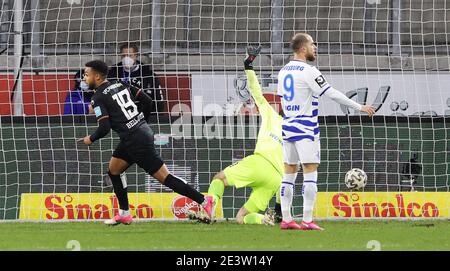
[300, 86]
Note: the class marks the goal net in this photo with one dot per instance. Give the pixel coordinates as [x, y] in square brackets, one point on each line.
[392, 54]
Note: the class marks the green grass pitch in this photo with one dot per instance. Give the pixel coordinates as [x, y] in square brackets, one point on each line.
[191, 236]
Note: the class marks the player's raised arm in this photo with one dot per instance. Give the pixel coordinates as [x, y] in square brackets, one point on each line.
[321, 87]
[340, 98]
[252, 80]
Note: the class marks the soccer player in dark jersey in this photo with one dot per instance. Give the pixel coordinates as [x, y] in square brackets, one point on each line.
[115, 108]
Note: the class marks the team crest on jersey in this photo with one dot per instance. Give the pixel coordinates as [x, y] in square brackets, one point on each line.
[320, 81]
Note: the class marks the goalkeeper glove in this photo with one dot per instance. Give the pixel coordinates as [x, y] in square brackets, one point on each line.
[252, 52]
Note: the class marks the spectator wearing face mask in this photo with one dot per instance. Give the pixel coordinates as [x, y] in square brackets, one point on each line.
[133, 72]
[79, 98]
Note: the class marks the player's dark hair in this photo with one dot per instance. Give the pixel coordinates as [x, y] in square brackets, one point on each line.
[298, 40]
[129, 45]
[98, 66]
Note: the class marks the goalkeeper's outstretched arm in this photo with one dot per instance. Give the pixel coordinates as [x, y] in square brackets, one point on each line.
[255, 88]
[252, 80]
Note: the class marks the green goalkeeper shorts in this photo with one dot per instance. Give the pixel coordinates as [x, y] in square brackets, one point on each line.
[256, 172]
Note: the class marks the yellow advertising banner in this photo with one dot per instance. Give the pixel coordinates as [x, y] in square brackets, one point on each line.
[382, 204]
[71, 206]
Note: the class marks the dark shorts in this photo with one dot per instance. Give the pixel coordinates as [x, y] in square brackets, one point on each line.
[139, 148]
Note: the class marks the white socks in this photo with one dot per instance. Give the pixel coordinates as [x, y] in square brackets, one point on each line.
[124, 212]
[309, 192]
[286, 195]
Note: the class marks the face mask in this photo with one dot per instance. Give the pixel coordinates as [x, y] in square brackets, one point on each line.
[84, 86]
[127, 62]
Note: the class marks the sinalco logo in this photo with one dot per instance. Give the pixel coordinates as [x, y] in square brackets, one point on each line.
[181, 204]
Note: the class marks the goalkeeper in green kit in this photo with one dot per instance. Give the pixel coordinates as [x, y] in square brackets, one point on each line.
[263, 170]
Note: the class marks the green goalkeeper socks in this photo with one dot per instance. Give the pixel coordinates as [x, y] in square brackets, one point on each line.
[253, 218]
[216, 189]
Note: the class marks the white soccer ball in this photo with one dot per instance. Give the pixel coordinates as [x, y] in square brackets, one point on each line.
[355, 179]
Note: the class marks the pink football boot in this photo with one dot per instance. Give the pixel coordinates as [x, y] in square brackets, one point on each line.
[119, 219]
[290, 225]
[311, 226]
